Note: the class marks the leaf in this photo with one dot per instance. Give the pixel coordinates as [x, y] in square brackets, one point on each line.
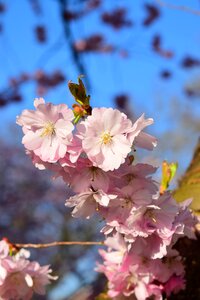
[78, 91]
[83, 107]
[168, 173]
[189, 184]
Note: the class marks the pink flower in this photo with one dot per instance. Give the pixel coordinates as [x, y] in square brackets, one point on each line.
[174, 285]
[185, 221]
[48, 130]
[39, 277]
[88, 202]
[40, 164]
[89, 176]
[139, 138]
[152, 246]
[117, 249]
[134, 197]
[156, 291]
[133, 176]
[130, 213]
[123, 271]
[156, 217]
[4, 249]
[130, 171]
[130, 270]
[104, 137]
[74, 149]
[20, 278]
[13, 284]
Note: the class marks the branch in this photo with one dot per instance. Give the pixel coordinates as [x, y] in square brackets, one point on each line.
[69, 36]
[179, 7]
[57, 244]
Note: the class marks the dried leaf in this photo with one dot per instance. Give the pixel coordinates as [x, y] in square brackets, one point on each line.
[156, 44]
[117, 18]
[94, 43]
[190, 62]
[152, 14]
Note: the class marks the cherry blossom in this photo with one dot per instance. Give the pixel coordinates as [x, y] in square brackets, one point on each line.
[95, 158]
[140, 138]
[20, 278]
[88, 202]
[104, 137]
[47, 130]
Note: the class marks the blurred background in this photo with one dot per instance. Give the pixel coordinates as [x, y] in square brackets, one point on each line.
[139, 56]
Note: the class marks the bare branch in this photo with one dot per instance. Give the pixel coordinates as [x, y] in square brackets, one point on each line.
[58, 244]
[179, 7]
[69, 36]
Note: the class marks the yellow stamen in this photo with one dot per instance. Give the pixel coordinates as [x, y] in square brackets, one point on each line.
[106, 138]
[128, 201]
[48, 129]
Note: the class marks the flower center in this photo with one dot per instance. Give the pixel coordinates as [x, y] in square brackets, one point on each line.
[15, 278]
[150, 214]
[48, 129]
[131, 282]
[128, 201]
[130, 177]
[106, 138]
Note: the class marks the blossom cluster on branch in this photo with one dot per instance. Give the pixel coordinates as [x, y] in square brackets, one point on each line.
[92, 150]
[19, 277]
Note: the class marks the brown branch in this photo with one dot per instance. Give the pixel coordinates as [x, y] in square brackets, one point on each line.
[57, 244]
[179, 7]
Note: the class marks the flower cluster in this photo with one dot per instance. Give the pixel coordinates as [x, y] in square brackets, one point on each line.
[130, 269]
[95, 158]
[19, 277]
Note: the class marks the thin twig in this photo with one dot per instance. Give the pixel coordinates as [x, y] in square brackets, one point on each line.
[179, 7]
[69, 36]
[58, 244]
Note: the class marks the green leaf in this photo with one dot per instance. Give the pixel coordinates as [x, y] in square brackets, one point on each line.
[78, 91]
[189, 184]
[168, 173]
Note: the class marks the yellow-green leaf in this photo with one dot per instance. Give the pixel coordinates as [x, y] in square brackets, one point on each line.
[189, 184]
[168, 173]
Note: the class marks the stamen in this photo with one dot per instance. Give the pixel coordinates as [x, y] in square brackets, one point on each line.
[151, 215]
[106, 138]
[48, 129]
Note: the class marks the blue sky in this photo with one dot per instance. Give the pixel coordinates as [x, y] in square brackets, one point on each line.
[109, 74]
